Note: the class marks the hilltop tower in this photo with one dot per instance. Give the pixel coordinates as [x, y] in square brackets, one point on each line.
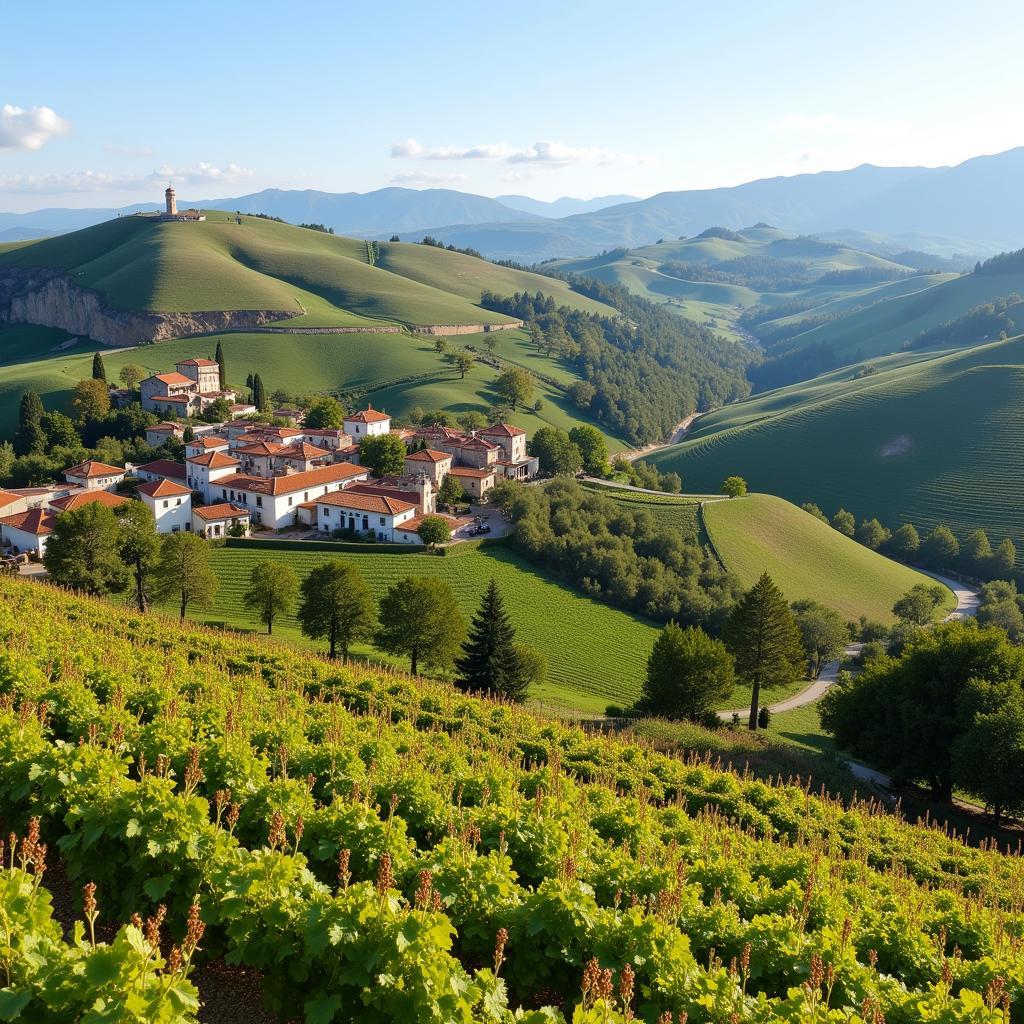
[172, 201]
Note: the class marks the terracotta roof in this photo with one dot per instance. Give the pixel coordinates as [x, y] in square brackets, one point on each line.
[479, 474]
[478, 444]
[428, 455]
[73, 501]
[225, 510]
[36, 521]
[367, 415]
[172, 378]
[289, 483]
[412, 525]
[215, 460]
[367, 502]
[180, 399]
[390, 492]
[502, 430]
[323, 432]
[93, 468]
[261, 448]
[164, 468]
[209, 442]
[439, 430]
[7, 498]
[196, 362]
[302, 450]
[175, 428]
[162, 489]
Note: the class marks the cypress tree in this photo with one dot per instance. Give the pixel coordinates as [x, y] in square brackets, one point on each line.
[762, 635]
[30, 438]
[248, 382]
[99, 371]
[219, 357]
[259, 394]
[490, 663]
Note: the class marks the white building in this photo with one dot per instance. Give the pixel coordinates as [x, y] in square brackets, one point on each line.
[170, 503]
[274, 503]
[161, 433]
[331, 438]
[212, 521]
[203, 472]
[374, 514]
[205, 444]
[28, 531]
[161, 469]
[94, 476]
[367, 423]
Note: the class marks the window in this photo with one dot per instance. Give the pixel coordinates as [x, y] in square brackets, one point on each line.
[175, 529]
[289, 500]
[166, 504]
[178, 502]
[381, 520]
[259, 501]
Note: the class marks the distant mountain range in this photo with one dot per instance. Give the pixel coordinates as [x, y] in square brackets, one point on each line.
[978, 201]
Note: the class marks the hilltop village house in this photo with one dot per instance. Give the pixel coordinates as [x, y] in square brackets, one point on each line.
[241, 474]
[191, 389]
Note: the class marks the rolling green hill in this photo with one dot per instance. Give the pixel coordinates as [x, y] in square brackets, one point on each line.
[927, 439]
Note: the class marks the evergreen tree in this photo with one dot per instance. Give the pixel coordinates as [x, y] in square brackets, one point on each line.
[82, 552]
[762, 635]
[99, 371]
[688, 674]
[490, 662]
[259, 394]
[30, 439]
[249, 381]
[221, 367]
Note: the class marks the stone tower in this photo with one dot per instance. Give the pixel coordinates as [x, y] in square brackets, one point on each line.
[171, 200]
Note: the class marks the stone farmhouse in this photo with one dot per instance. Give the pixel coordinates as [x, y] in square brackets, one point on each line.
[192, 388]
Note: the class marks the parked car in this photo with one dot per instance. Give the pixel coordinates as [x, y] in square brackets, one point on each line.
[483, 528]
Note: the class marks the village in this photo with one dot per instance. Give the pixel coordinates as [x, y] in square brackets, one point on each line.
[243, 476]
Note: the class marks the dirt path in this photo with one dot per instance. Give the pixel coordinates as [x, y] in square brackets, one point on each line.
[681, 429]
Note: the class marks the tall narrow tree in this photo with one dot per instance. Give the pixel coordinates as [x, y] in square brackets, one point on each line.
[99, 371]
[337, 606]
[139, 546]
[490, 661]
[259, 394]
[764, 639]
[30, 438]
[221, 366]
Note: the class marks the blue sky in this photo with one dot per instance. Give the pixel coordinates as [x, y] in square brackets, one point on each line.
[101, 103]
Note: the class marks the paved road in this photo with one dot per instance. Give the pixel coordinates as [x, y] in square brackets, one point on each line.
[681, 429]
[967, 601]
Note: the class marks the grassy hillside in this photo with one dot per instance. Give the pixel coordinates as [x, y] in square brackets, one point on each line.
[927, 440]
[261, 264]
[805, 557]
[596, 654]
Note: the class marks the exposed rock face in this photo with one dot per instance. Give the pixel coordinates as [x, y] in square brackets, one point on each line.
[49, 298]
[450, 329]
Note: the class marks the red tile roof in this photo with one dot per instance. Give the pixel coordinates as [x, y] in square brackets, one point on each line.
[367, 502]
[180, 399]
[215, 460]
[502, 430]
[289, 483]
[172, 378]
[93, 468]
[479, 444]
[428, 455]
[164, 468]
[225, 510]
[175, 428]
[390, 492]
[302, 450]
[261, 449]
[73, 501]
[196, 362]
[36, 521]
[7, 498]
[412, 525]
[162, 489]
[469, 471]
[210, 442]
[367, 415]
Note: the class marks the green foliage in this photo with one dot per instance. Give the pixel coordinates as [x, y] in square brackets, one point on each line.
[450, 492]
[593, 449]
[762, 635]
[30, 438]
[98, 370]
[83, 550]
[222, 369]
[183, 572]
[138, 545]
[91, 400]
[843, 522]
[920, 604]
[434, 530]
[689, 674]
[259, 394]
[382, 454]
[515, 386]
[420, 618]
[336, 605]
[823, 631]
[218, 411]
[131, 375]
[940, 548]
[904, 542]
[273, 591]
[734, 486]
[556, 454]
[988, 759]
[872, 534]
[325, 413]
[489, 663]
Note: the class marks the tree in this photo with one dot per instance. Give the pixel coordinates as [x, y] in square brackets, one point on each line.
[976, 552]
[844, 523]
[336, 605]
[82, 551]
[382, 454]
[188, 435]
[490, 659]
[811, 509]
[988, 759]
[325, 413]
[440, 344]
[222, 370]
[533, 666]
[259, 394]
[688, 674]
[7, 458]
[763, 637]
[515, 386]
[451, 491]
[273, 590]
[434, 530]
[940, 549]
[582, 393]
[823, 632]
[734, 486]
[91, 400]
[420, 619]
[99, 371]
[905, 542]
[218, 411]
[919, 603]
[59, 430]
[472, 420]
[593, 448]
[138, 546]
[1004, 558]
[183, 572]
[30, 438]
[131, 376]
[872, 534]
[464, 361]
[905, 715]
[556, 454]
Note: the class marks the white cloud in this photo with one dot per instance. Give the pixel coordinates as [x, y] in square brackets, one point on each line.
[550, 152]
[29, 129]
[61, 184]
[427, 178]
[202, 173]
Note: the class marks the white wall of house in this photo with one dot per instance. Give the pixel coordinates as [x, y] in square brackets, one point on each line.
[23, 541]
[275, 511]
[172, 514]
[360, 430]
[96, 483]
[204, 479]
[337, 517]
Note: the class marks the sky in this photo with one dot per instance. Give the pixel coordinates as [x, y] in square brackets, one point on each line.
[102, 104]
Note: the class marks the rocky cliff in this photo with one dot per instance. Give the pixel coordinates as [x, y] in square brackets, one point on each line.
[42, 296]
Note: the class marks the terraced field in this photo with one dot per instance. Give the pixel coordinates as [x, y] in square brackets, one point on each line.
[681, 512]
[926, 440]
[596, 654]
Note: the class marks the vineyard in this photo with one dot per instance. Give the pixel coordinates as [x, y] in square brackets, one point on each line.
[382, 850]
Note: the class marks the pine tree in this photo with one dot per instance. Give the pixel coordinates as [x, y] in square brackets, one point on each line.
[762, 635]
[259, 394]
[219, 357]
[99, 371]
[490, 662]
